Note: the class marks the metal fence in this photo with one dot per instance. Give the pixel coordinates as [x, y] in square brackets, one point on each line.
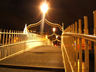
[12, 42]
[76, 47]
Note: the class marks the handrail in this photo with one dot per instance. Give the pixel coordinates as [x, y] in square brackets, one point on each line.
[20, 43]
[85, 36]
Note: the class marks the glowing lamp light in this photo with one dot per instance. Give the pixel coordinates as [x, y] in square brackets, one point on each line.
[56, 37]
[44, 7]
[54, 29]
[46, 37]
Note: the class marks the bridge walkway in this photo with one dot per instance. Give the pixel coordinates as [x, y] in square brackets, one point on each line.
[38, 59]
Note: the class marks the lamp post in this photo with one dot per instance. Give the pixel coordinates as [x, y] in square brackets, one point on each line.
[44, 8]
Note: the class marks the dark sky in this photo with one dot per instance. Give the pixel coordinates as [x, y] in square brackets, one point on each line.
[15, 13]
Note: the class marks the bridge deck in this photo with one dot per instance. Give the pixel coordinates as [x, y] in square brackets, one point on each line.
[42, 59]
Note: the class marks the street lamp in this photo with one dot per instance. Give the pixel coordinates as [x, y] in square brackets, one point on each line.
[44, 8]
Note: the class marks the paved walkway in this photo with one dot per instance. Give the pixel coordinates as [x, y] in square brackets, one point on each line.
[39, 59]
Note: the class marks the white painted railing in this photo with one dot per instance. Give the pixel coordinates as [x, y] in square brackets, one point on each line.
[13, 42]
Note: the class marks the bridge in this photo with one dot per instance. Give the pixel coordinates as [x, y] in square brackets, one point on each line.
[30, 52]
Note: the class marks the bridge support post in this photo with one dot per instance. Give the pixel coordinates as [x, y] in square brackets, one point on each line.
[80, 47]
[86, 45]
[95, 42]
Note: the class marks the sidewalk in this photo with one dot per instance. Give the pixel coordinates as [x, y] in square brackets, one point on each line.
[42, 57]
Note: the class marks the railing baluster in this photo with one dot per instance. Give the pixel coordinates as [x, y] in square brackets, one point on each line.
[16, 36]
[6, 37]
[12, 37]
[75, 26]
[76, 55]
[9, 37]
[0, 43]
[70, 28]
[80, 47]
[80, 26]
[3, 38]
[0, 37]
[76, 39]
[95, 42]
[86, 45]
[85, 25]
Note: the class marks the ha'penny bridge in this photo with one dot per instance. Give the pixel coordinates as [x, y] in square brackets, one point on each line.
[23, 51]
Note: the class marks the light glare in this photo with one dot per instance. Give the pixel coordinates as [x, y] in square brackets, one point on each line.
[44, 7]
[54, 29]
[56, 37]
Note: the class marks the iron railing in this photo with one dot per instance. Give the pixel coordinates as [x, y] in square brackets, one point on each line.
[13, 42]
[76, 47]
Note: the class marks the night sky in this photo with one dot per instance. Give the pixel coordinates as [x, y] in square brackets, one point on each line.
[14, 14]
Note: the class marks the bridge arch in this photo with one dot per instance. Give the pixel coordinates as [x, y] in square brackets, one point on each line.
[47, 22]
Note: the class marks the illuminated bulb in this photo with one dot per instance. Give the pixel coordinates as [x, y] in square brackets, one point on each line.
[46, 37]
[56, 37]
[44, 7]
[54, 29]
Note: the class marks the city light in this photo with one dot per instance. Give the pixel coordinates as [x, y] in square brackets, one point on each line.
[56, 37]
[54, 29]
[46, 36]
[44, 7]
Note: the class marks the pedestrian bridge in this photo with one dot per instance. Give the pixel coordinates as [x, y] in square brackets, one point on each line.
[29, 52]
